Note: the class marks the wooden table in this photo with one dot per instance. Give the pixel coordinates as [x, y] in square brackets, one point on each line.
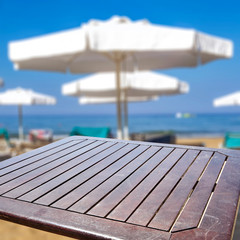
[92, 188]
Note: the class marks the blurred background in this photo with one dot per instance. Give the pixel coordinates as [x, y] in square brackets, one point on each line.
[189, 118]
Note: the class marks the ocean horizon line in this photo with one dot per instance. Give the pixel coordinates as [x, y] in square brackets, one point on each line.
[114, 114]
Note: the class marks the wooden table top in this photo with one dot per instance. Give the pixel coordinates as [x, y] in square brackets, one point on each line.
[96, 188]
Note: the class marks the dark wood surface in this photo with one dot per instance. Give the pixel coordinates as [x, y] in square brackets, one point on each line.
[92, 188]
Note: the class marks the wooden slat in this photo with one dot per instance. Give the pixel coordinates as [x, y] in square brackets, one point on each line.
[93, 182]
[121, 191]
[192, 212]
[34, 153]
[131, 202]
[62, 190]
[59, 158]
[166, 215]
[98, 193]
[97, 162]
[145, 212]
[77, 165]
[222, 208]
[71, 224]
[31, 160]
[36, 163]
[102, 160]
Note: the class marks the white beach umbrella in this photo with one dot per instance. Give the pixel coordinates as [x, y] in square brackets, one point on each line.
[136, 84]
[20, 97]
[232, 99]
[104, 45]
[139, 86]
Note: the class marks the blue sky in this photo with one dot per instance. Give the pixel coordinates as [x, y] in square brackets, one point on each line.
[23, 19]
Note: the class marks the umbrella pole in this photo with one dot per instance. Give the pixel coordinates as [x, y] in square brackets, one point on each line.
[118, 95]
[20, 124]
[126, 130]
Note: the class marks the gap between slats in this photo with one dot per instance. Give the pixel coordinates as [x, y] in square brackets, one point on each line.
[181, 210]
[39, 160]
[91, 176]
[151, 189]
[125, 180]
[214, 187]
[48, 169]
[68, 169]
[171, 191]
[38, 153]
[131, 191]
[174, 187]
[111, 175]
[190, 194]
[160, 181]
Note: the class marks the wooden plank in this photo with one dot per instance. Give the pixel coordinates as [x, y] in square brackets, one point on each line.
[35, 152]
[35, 163]
[119, 150]
[168, 212]
[147, 209]
[71, 224]
[120, 192]
[59, 158]
[96, 180]
[102, 160]
[192, 212]
[34, 159]
[222, 208]
[131, 202]
[89, 200]
[52, 179]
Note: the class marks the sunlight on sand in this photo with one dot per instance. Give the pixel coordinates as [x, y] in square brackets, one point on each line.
[12, 231]
[209, 142]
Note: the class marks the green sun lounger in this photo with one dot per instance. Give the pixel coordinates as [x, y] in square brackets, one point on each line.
[4, 133]
[232, 140]
[102, 132]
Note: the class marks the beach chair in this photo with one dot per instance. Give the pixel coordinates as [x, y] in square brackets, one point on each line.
[37, 138]
[155, 136]
[41, 135]
[232, 140]
[102, 132]
[4, 134]
[5, 146]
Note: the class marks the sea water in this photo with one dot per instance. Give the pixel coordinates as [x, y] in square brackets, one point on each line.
[197, 124]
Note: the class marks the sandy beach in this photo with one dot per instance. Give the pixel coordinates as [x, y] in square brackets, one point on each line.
[12, 231]
[209, 142]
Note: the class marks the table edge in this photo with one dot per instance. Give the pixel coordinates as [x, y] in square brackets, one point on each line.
[227, 152]
[65, 223]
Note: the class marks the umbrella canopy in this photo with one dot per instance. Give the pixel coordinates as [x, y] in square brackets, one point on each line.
[104, 45]
[1, 82]
[153, 47]
[139, 86]
[20, 96]
[232, 99]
